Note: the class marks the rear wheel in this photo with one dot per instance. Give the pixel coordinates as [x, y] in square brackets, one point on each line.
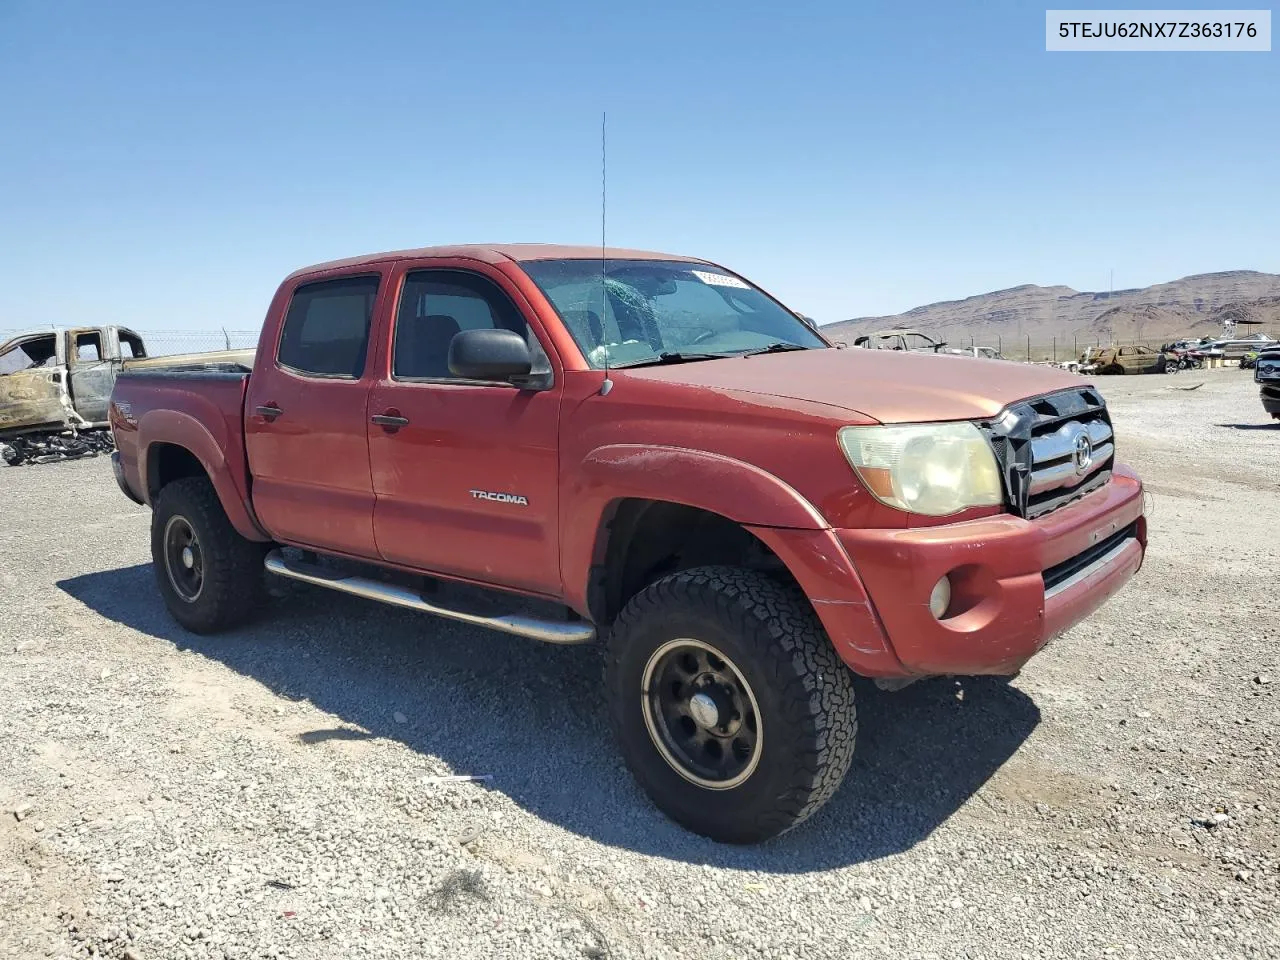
[731, 707]
[211, 578]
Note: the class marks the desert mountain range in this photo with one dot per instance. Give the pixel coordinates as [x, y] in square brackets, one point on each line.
[1192, 306]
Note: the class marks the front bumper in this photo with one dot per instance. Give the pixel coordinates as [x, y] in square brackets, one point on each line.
[1016, 583]
[1270, 396]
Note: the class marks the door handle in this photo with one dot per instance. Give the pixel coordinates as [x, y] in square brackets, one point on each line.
[389, 420]
[268, 412]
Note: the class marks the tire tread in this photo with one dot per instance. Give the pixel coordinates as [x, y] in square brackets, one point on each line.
[234, 580]
[796, 656]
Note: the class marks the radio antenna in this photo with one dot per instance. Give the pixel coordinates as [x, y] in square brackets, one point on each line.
[604, 254]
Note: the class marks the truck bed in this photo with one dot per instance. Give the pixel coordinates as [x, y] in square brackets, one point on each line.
[196, 403]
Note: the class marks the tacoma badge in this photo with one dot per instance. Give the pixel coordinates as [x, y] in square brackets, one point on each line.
[500, 497]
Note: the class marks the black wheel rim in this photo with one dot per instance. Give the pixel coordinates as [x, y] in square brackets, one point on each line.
[183, 559]
[701, 714]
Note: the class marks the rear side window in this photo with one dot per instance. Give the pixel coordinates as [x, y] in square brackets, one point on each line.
[326, 331]
[131, 346]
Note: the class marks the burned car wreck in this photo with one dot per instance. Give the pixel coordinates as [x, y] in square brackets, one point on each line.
[55, 386]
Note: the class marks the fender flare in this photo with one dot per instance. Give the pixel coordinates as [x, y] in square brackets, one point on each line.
[191, 434]
[734, 489]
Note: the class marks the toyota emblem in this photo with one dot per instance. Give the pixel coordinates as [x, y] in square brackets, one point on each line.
[1082, 455]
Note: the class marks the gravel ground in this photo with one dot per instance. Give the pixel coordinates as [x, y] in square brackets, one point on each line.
[268, 793]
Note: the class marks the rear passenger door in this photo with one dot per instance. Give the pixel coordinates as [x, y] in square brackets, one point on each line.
[305, 419]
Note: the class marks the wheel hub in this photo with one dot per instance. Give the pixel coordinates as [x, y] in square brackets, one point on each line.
[703, 709]
[183, 559]
[701, 714]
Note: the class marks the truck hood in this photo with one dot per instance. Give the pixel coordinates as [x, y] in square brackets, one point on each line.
[885, 385]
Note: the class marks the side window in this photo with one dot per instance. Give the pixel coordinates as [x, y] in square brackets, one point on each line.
[131, 347]
[88, 347]
[326, 331]
[437, 305]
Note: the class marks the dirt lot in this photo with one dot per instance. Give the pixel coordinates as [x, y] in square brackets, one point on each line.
[262, 793]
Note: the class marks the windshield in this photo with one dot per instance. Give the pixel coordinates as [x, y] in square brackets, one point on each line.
[645, 309]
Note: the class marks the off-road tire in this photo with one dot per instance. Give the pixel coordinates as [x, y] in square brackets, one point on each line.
[233, 582]
[804, 693]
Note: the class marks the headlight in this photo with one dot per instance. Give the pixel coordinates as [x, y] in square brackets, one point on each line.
[931, 468]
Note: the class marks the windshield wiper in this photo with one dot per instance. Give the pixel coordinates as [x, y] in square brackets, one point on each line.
[779, 347]
[664, 358]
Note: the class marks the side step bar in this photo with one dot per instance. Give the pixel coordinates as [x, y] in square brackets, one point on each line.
[548, 631]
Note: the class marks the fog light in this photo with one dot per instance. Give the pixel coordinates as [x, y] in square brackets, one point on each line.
[940, 598]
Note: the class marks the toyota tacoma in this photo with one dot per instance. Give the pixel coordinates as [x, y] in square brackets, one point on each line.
[667, 457]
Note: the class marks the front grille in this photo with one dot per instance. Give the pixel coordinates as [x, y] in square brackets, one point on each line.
[1041, 447]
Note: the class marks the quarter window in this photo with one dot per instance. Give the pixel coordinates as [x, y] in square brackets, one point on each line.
[131, 346]
[436, 306]
[326, 331]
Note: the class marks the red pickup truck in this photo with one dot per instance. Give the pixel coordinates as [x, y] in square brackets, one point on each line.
[745, 514]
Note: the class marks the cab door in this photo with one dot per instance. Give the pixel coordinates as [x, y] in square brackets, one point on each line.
[464, 471]
[92, 374]
[306, 417]
[33, 389]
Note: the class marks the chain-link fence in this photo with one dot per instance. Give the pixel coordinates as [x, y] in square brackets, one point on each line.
[1033, 349]
[162, 343]
[1036, 349]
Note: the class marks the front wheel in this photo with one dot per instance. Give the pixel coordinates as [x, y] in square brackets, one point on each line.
[731, 707]
[211, 578]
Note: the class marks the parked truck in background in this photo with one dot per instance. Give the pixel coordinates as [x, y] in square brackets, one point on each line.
[1266, 373]
[745, 515]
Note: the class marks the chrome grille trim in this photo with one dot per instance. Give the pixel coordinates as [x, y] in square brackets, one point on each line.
[1064, 473]
[1058, 445]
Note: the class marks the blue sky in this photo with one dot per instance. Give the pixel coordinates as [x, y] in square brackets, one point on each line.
[164, 165]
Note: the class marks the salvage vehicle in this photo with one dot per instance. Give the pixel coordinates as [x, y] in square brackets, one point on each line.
[1122, 360]
[907, 340]
[667, 458]
[54, 389]
[1266, 373]
[985, 353]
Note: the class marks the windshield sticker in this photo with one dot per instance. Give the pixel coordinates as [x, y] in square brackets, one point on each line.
[719, 279]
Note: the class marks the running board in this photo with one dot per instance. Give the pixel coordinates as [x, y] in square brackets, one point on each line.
[548, 631]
